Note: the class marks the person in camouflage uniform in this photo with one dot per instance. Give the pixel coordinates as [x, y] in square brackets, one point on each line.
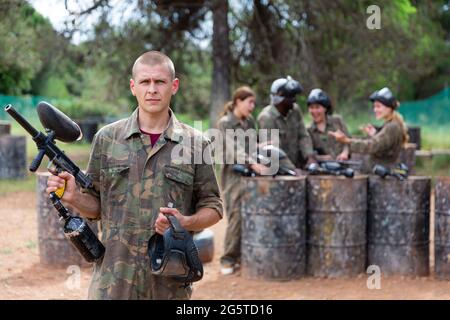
[136, 177]
[285, 115]
[236, 115]
[321, 110]
[383, 145]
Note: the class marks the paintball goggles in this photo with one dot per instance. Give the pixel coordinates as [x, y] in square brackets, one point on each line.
[336, 168]
[59, 126]
[400, 171]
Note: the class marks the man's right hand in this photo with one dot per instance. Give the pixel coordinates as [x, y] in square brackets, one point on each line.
[56, 182]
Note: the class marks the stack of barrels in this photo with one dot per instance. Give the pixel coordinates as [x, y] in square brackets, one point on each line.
[327, 226]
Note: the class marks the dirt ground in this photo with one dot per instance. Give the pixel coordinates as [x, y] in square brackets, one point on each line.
[23, 277]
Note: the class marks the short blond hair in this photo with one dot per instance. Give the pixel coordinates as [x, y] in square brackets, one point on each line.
[154, 58]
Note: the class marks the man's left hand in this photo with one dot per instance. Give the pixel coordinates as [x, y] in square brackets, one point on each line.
[162, 223]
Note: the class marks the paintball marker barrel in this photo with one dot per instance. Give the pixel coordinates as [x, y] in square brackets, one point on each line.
[22, 121]
[75, 228]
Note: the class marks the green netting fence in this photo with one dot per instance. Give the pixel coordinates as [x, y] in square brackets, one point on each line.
[434, 110]
[26, 105]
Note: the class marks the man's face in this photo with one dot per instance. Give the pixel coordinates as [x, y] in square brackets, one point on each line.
[153, 87]
[287, 103]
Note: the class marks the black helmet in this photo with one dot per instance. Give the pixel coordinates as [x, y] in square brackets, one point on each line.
[174, 254]
[320, 97]
[386, 97]
[284, 88]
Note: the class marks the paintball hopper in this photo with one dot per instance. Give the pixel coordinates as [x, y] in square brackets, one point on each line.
[400, 171]
[174, 254]
[64, 128]
[330, 168]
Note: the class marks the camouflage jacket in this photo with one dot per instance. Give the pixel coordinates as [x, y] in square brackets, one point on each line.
[230, 122]
[294, 139]
[384, 147]
[324, 144]
[133, 180]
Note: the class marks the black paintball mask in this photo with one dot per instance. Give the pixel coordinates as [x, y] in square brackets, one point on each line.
[284, 90]
[174, 254]
[386, 97]
[318, 96]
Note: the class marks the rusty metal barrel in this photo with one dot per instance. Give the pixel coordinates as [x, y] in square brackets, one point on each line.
[5, 128]
[273, 227]
[54, 248]
[204, 241]
[398, 225]
[442, 228]
[336, 226]
[408, 156]
[13, 157]
[415, 136]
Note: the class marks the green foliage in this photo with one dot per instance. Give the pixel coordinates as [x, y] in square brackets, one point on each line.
[8, 186]
[24, 51]
[78, 108]
[435, 166]
[319, 42]
[55, 87]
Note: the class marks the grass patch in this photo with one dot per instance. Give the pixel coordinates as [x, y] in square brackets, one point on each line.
[6, 251]
[435, 137]
[31, 244]
[10, 185]
[435, 166]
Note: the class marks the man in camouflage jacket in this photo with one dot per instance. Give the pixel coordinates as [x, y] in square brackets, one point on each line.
[285, 115]
[137, 171]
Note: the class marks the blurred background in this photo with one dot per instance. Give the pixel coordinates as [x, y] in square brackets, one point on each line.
[78, 54]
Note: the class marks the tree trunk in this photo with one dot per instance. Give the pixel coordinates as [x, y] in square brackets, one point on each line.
[220, 92]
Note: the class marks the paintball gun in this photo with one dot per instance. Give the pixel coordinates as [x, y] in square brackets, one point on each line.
[59, 126]
[272, 152]
[244, 170]
[400, 171]
[330, 168]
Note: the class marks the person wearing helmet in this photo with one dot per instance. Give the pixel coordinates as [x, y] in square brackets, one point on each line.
[321, 110]
[235, 116]
[285, 115]
[383, 145]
